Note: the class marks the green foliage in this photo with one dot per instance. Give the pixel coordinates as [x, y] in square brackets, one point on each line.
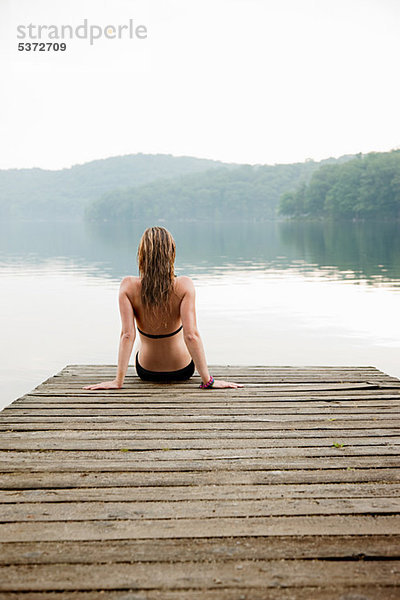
[153, 187]
[366, 187]
[242, 192]
[43, 194]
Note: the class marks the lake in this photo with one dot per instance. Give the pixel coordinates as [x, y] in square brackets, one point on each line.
[273, 293]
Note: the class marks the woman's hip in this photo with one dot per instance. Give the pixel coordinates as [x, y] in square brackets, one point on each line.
[164, 376]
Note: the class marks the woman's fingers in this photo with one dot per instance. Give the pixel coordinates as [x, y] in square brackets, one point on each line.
[97, 386]
[105, 385]
[218, 383]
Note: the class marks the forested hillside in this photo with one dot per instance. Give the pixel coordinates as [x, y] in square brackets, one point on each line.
[63, 194]
[242, 192]
[366, 187]
[152, 187]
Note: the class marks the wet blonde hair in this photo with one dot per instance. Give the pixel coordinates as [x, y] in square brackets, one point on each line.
[156, 258]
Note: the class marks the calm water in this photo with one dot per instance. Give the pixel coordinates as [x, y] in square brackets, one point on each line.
[267, 293]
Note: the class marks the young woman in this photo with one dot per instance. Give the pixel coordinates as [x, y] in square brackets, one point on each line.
[163, 307]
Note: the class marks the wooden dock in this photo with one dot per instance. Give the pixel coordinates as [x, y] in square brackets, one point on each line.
[285, 489]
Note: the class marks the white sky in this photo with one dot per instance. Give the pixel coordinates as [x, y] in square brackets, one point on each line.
[256, 81]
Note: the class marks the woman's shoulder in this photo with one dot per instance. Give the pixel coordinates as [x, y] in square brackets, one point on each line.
[184, 282]
[130, 283]
[184, 286]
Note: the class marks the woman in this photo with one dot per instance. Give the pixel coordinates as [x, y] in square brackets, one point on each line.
[163, 307]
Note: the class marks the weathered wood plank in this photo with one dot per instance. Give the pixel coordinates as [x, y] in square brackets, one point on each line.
[265, 382]
[219, 453]
[332, 592]
[253, 396]
[207, 416]
[357, 436]
[352, 412]
[305, 401]
[85, 479]
[188, 509]
[10, 442]
[242, 548]
[236, 492]
[191, 388]
[200, 575]
[133, 385]
[347, 592]
[22, 431]
[256, 391]
[206, 527]
[137, 423]
[41, 463]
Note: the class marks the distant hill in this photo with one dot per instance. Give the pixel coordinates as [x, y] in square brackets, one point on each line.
[242, 192]
[363, 188]
[44, 194]
[152, 186]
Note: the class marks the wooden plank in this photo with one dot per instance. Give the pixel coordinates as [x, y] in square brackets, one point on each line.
[85, 479]
[295, 403]
[269, 383]
[9, 442]
[356, 436]
[332, 592]
[166, 454]
[236, 395]
[247, 391]
[200, 575]
[40, 463]
[188, 509]
[236, 492]
[38, 431]
[242, 548]
[133, 385]
[322, 370]
[137, 423]
[207, 416]
[193, 528]
[304, 411]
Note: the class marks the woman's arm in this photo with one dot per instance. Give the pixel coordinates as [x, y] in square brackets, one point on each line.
[192, 336]
[126, 341]
[190, 332]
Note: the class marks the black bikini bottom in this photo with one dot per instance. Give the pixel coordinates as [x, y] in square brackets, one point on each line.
[179, 375]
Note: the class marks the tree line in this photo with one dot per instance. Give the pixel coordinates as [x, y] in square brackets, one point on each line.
[240, 192]
[63, 194]
[368, 186]
[154, 187]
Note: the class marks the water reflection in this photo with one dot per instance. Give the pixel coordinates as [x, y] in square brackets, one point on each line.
[369, 250]
[350, 251]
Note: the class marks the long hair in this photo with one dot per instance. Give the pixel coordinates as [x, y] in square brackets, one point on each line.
[156, 257]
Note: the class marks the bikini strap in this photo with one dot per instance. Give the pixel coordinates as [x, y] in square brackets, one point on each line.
[161, 335]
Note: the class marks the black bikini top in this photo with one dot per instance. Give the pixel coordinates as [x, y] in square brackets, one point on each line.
[161, 335]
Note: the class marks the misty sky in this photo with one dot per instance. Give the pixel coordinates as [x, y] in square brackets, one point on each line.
[255, 81]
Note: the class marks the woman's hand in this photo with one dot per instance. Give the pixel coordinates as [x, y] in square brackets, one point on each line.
[219, 383]
[105, 385]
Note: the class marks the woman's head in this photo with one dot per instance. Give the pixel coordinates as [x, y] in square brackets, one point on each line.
[156, 257]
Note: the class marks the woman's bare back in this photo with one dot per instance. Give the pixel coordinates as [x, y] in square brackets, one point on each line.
[161, 354]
